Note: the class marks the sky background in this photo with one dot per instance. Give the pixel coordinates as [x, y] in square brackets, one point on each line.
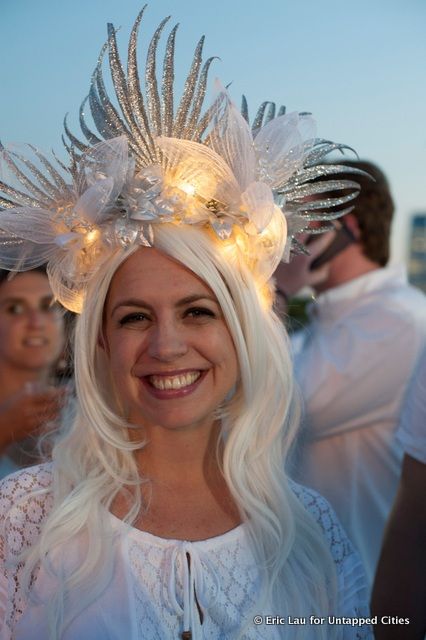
[359, 67]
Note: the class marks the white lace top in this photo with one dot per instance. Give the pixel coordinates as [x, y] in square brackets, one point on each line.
[158, 588]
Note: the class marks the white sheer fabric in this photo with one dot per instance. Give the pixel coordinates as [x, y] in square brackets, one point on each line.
[158, 587]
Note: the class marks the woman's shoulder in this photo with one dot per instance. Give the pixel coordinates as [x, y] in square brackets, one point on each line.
[324, 515]
[25, 501]
[25, 482]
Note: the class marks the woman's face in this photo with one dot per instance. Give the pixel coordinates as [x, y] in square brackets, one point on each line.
[31, 328]
[171, 355]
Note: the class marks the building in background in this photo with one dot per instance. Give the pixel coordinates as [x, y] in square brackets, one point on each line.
[417, 252]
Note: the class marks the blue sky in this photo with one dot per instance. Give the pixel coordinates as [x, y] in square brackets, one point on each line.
[359, 67]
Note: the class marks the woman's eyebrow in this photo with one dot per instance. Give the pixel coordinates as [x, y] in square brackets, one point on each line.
[24, 300]
[11, 299]
[138, 302]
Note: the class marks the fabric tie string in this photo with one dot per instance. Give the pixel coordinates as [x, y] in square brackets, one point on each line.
[196, 595]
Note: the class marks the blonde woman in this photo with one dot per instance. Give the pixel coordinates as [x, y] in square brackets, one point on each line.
[166, 511]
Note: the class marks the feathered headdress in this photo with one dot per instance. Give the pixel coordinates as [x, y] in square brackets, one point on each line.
[152, 163]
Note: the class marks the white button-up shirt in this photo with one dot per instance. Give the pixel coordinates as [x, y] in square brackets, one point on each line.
[353, 363]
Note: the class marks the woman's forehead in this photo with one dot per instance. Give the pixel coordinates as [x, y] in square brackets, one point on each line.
[26, 285]
[152, 271]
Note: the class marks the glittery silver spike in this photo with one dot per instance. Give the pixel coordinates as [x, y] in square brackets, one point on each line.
[244, 108]
[19, 198]
[297, 247]
[88, 133]
[318, 171]
[198, 101]
[120, 86]
[24, 180]
[143, 121]
[305, 176]
[6, 204]
[69, 148]
[188, 92]
[323, 186]
[208, 117]
[327, 203]
[322, 148]
[51, 190]
[61, 164]
[103, 118]
[99, 115]
[112, 117]
[135, 94]
[104, 112]
[74, 141]
[257, 122]
[324, 217]
[60, 182]
[318, 230]
[270, 113]
[167, 84]
[151, 87]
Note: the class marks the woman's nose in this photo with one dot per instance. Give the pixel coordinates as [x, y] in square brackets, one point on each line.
[167, 341]
[36, 318]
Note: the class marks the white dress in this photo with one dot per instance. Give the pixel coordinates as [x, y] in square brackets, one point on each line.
[151, 592]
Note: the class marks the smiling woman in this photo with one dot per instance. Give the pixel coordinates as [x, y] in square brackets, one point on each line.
[166, 511]
[31, 342]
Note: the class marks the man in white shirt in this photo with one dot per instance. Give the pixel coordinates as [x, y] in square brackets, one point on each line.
[353, 363]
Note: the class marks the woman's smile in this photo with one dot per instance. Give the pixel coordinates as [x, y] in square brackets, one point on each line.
[173, 385]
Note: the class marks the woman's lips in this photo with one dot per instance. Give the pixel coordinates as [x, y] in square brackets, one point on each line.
[35, 341]
[165, 386]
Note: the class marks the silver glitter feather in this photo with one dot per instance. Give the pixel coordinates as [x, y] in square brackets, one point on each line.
[89, 135]
[188, 92]
[167, 85]
[151, 84]
[141, 120]
[198, 100]
[40, 191]
[302, 195]
[135, 94]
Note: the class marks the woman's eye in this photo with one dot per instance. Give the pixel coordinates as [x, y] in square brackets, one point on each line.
[133, 318]
[16, 309]
[200, 312]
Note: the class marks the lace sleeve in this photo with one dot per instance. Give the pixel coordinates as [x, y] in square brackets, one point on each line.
[25, 501]
[351, 583]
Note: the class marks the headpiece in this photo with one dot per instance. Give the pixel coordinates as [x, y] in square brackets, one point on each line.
[151, 163]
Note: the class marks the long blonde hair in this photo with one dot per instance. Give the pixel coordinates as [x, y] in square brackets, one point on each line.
[93, 458]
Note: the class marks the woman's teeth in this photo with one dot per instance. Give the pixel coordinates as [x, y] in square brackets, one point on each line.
[35, 342]
[174, 382]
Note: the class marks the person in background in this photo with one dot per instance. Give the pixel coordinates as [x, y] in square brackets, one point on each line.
[400, 583]
[354, 361]
[31, 343]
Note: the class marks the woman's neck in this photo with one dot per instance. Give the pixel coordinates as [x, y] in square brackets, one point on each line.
[180, 457]
[12, 380]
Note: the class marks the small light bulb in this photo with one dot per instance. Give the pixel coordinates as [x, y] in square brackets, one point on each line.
[91, 236]
[188, 188]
